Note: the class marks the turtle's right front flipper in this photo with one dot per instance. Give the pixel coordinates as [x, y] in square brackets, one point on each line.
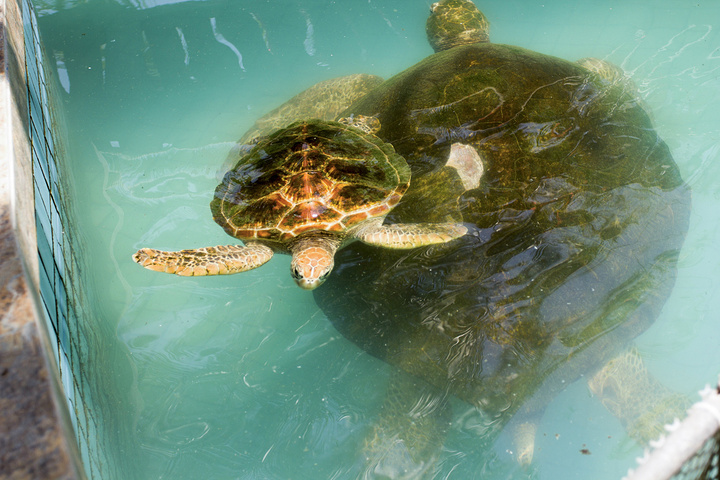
[220, 260]
[410, 235]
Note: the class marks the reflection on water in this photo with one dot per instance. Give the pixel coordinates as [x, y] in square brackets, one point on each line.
[245, 376]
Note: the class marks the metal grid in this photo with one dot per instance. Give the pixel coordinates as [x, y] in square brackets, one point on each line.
[691, 450]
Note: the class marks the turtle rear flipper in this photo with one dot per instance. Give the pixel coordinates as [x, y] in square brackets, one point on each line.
[407, 438]
[219, 260]
[636, 398]
[524, 439]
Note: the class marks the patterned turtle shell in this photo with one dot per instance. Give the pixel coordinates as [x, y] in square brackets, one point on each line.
[312, 175]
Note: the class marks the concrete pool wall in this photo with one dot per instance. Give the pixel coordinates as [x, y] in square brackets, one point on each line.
[54, 421]
[38, 385]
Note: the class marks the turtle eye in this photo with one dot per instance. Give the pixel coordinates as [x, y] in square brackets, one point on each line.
[325, 275]
[295, 272]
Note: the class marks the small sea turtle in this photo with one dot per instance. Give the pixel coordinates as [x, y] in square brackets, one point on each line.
[308, 190]
[579, 215]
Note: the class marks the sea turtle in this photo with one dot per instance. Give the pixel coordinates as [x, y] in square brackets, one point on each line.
[578, 218]
[308, 190]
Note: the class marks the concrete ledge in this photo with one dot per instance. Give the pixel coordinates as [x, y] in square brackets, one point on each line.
[32, 444]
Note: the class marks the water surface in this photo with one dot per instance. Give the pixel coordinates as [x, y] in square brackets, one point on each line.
[243, 376]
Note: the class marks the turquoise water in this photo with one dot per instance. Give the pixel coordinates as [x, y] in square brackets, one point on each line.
[243, 376]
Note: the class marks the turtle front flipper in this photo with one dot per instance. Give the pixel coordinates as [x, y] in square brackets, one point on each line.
[220, 260]
[410, 235]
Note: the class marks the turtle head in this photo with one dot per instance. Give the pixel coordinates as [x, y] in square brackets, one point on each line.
[312, 261]
[456, 22]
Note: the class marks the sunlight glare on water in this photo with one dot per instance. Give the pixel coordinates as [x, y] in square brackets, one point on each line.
[243, 376]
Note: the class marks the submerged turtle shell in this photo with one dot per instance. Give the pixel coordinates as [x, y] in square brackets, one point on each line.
[312, 175]
[324, 100]
[529, 116]
[580, 215]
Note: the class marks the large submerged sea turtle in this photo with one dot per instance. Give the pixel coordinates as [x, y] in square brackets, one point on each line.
[308, 190]
[580, 212]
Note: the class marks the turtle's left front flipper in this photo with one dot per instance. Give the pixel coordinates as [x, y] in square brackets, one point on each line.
[220, 260]
[411, 235]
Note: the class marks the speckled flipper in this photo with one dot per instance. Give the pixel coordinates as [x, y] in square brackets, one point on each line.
[410, 235]
[630, 392]
[220, 260]
[410, 431]
[524, 438]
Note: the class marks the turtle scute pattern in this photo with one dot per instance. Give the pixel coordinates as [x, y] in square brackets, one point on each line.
[311, 175]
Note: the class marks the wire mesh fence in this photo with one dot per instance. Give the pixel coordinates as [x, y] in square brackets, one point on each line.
[690, 450]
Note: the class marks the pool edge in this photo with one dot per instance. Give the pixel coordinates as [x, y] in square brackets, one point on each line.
[37, 439]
